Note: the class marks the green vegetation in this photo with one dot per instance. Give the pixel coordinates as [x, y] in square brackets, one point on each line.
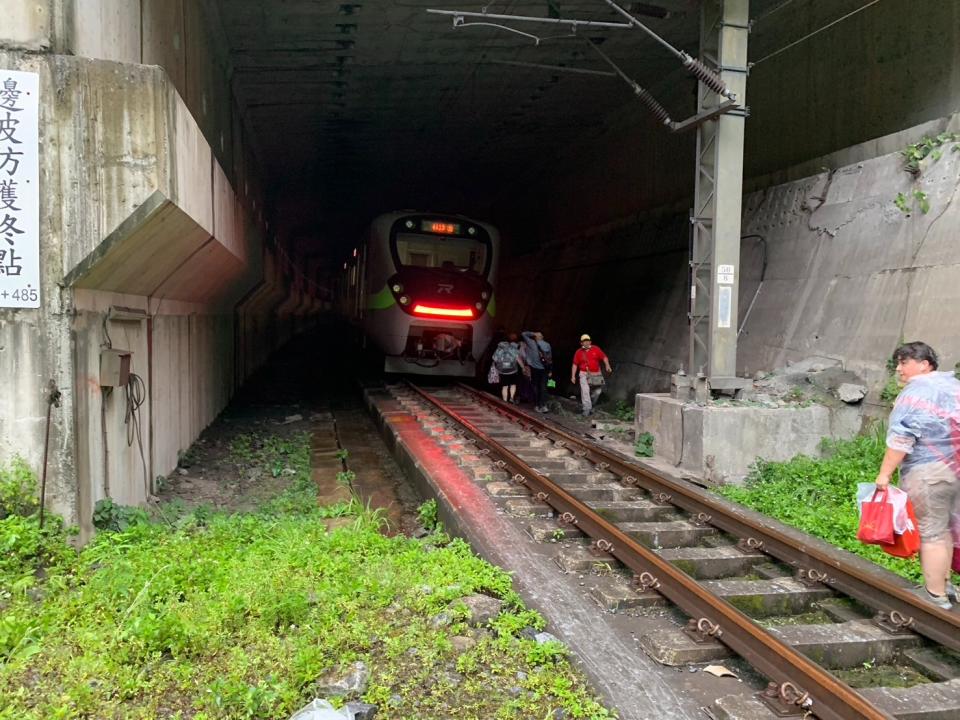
[920, 201]
[624, 411]
[928, 147]
[427, 514]
[916, 157]
[238, 616]
[18, 489]
[818, 496]
[643, 447]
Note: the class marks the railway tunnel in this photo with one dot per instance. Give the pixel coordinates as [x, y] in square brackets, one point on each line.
[206, 168]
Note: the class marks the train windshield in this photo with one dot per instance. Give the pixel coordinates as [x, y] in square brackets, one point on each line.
[448, 253]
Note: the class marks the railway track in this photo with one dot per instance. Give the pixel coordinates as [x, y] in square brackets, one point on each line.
[714, 563]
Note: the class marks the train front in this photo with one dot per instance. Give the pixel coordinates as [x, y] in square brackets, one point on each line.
[431, 282]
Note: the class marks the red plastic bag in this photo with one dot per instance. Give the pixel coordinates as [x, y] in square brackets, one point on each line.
[906, 544]
[876, 520]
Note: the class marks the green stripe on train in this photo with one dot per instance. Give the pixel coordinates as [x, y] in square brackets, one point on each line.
[492, 306]
[382, 300]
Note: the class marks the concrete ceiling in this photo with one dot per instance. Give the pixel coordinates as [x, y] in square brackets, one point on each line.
[370, 105]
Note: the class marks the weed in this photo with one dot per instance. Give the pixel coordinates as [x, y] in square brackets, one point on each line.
[643, 447]
[342, 454]
[796, 395]
[624, 411]
[817, 495]
[927, 147]
[18, 489]
[236, 616]
[891, 390]
[427, 514]
[108, 515]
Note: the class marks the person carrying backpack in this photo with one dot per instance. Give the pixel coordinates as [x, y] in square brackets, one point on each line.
[508, 362]
[923, 439]
[539, 358]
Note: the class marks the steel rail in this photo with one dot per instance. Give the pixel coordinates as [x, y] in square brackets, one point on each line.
[941, 626]
[820, 693]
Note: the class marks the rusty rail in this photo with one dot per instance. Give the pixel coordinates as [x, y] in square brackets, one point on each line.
[801, 682]
[925, 619]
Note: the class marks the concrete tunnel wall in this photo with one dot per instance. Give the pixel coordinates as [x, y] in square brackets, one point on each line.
[140, 211]
[611, 235]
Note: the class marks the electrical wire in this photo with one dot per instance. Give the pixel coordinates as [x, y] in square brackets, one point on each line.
[815, 32]
[136, 394]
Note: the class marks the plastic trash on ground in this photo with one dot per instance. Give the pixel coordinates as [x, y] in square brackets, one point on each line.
[318, 710]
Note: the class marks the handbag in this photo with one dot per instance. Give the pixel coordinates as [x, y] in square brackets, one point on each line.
[594, 379]
[876, 520]
[493, 377]
[907, 543]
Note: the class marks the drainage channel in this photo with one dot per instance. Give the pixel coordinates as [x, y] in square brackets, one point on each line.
[715, 565]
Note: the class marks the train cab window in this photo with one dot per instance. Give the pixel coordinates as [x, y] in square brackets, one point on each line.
[449, 253]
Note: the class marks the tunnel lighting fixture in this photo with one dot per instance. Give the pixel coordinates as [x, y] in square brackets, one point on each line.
[354, 252]
[464, 313]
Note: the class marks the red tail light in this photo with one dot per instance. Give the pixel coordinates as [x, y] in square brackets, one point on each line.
[460, 313]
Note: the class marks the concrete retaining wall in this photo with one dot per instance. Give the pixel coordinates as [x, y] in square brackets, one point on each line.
[848, 274]
[146, 245]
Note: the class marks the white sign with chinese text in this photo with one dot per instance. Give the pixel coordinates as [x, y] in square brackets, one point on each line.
[725, 274]
[19, 189]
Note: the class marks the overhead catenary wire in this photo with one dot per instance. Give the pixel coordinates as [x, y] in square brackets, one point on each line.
[696, 68]
[815, 32]
[649, 100]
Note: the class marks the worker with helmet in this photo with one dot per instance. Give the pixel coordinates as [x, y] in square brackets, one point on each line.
[587, 361]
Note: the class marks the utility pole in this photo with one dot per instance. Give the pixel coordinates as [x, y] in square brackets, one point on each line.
[715, 218]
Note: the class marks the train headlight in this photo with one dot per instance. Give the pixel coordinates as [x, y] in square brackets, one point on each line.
[479, 306]
[471, 231]
[485, 295]
[409, 224]
[397, 288]
[404, 300]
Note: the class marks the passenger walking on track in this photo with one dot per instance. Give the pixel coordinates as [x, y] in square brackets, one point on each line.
[539, 358]
[587, 360]
[508, 362]
[923, 438]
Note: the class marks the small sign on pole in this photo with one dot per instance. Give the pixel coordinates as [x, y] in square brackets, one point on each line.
[19, 189]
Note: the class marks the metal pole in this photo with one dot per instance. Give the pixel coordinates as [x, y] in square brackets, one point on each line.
[715, 255]
[53, 398]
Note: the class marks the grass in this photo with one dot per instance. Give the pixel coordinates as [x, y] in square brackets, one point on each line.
[217, 615]
[818, 495]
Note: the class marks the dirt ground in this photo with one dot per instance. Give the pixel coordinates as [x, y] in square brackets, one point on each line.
[286, 403]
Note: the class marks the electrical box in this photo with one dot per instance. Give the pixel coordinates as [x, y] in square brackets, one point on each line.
[114, 367]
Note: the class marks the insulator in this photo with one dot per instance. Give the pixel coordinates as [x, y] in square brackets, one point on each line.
[707, 76]
[651, 102]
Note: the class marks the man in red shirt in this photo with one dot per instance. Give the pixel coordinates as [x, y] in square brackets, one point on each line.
[587, 360]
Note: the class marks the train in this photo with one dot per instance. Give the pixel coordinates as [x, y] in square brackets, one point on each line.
[421, 287]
